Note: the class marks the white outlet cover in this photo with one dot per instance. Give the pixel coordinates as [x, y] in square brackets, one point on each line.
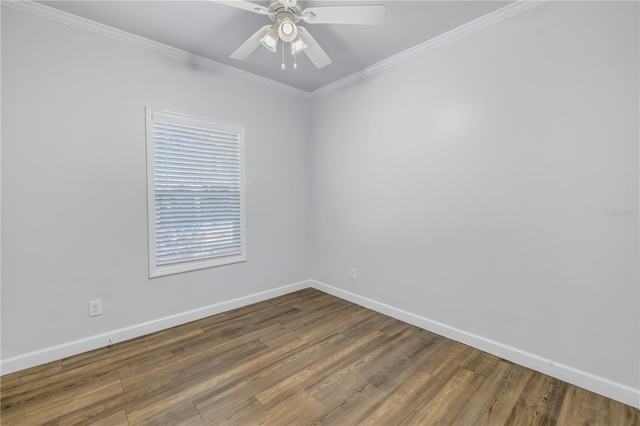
[95, 307]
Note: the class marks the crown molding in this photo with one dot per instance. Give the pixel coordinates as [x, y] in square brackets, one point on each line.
[479, 24]
[486, 21]
[55, 15]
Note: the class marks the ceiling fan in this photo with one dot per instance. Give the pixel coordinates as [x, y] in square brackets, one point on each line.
[286, 14]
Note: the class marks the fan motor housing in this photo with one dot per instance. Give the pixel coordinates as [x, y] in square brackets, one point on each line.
[277, 11]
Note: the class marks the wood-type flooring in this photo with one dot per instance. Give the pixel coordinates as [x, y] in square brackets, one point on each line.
[305, 358]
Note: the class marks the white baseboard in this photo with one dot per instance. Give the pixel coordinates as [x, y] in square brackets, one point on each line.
[592, 382]
[583, 379]
[64, 350]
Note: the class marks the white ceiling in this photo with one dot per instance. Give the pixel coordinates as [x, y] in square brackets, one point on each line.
[214, 31]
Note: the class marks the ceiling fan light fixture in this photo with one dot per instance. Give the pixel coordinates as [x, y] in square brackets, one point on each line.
[270, 39]
[287, 30]
[298, 45]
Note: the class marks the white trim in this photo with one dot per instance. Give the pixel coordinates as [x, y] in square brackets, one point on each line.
[55, 15]
[158, 270]
[485, 21]
[592, 382]
[614, 390]
[75, 347]
[96, 28]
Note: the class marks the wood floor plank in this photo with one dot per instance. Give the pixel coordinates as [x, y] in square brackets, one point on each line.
[480, 362]
[26, 377]
[396, 404]
[538, 403]
[445, 405]
[389, 377]
[622, 414]
[342, 319]
[363, 367]
[191, 364]
[56, 404]
[350, 373]
[302, 358]
[181, 413]
[353, 403]
[68, 378]
[23, 385]
[312, 373]
[188, 386]
[493, 402]
[247, 411]
[436, 368]
[583, 407]
[118, 418]
[296, 409]
[267, 376]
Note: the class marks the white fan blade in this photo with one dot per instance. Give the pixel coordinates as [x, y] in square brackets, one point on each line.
[250, 45]
[315, 53]
[359, 15]
[245, 5]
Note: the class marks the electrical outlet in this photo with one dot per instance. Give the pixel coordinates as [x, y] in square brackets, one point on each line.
[354, 274]
[95, 307]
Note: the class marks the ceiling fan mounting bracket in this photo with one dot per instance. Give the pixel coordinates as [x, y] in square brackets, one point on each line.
[277, 10]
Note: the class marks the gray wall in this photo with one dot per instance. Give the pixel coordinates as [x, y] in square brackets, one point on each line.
[470, 186]
[74, 217]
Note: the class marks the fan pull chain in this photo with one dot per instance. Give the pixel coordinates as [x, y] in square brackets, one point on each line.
[295, 62]
[283, 65]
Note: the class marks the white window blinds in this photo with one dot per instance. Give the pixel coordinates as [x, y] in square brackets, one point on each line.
[196, 208]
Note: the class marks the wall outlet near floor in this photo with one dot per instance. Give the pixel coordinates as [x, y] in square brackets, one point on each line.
[95, 307]
[354, 274]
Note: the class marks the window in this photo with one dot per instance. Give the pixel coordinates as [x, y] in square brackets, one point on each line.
[195, 193]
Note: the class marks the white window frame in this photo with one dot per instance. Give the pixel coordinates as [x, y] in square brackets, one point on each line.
[157, 269]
